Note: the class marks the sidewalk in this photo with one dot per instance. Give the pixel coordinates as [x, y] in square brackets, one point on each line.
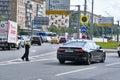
[111, 50]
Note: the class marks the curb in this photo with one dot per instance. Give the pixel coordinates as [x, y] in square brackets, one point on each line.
[110, 50]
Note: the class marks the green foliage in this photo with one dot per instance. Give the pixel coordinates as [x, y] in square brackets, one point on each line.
[108, 45]
[1, 19]
[61, 29]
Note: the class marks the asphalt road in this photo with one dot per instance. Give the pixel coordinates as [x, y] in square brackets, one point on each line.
[43, 65]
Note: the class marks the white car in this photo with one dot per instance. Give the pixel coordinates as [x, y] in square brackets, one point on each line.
[21, 40]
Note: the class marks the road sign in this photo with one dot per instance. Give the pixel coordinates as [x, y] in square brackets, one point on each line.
[62, 12]
[41, 20]
[57, 7]
[84, 19]
[106, 21]
[83, 29]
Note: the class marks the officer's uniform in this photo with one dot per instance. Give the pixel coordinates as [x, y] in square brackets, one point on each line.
[26, 54]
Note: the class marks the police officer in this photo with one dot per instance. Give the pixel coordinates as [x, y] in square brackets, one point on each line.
[26, 54]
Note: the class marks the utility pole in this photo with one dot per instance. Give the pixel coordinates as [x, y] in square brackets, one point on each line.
[117, 31]
[78, 27]
[91, 21]
[85, 7]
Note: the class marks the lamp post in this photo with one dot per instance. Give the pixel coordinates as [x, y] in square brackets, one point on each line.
[91, 23]
[78, 27]
[118, 31]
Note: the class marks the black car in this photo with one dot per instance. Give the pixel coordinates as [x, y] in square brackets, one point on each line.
[36, 40]
[80, 50]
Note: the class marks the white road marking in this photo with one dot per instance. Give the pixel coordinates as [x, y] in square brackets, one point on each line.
[17, 61]
[60, 74]
[39, 79]
[8, 63]
[33, 51]
[112, 64]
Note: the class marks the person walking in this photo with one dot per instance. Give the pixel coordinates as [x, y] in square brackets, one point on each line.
[26, 54]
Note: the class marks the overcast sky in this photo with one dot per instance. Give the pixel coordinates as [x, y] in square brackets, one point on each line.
[108, 8]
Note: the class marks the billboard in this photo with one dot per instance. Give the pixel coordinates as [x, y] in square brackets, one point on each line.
[106, 21]
[41, 20]
[57, 6]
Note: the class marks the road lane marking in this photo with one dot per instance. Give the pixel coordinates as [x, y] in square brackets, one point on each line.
[112, 64]
[8, 63]
[39, 79]
[17, 61]
[70, 72]
[33, 51]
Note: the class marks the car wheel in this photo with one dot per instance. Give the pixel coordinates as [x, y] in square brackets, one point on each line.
[39, 43]
[88, 62]
[9, 47]
[103, 58]
[61, 61]
[3, 48]
[19, 46]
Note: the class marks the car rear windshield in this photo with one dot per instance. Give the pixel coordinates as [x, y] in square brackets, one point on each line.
[75, 43]
[35, 38]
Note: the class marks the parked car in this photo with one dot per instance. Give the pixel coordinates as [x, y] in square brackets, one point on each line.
[82, 50]
[118, 50]
[54, 40]
[22, 41]
[62, 40]
[36, 40]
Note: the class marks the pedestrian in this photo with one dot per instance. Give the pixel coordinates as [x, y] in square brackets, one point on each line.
[26, 54]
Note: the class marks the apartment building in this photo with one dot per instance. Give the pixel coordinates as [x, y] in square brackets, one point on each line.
[17, 11]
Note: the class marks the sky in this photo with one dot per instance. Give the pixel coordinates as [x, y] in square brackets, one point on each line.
[107, 8]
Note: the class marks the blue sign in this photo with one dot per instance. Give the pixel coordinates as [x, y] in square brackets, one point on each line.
[83, 29]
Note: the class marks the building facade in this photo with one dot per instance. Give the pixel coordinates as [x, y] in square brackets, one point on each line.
[24, 11]
[20, 12]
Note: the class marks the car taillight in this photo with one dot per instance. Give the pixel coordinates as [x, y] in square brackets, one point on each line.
[79, 50]
[60, 50]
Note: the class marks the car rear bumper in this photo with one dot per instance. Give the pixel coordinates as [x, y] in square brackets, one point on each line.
[72, 57]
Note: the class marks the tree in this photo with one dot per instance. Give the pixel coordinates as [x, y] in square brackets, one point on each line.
[1, 18]
[60, 29]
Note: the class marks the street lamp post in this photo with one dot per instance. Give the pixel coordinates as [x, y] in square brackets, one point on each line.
[78, 27]
[91, 23]
[118, 31]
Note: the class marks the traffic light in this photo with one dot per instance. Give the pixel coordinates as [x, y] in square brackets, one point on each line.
[84, 19]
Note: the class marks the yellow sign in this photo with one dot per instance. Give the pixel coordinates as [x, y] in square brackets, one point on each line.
[84, 19]
[61, 12]
[105, 25]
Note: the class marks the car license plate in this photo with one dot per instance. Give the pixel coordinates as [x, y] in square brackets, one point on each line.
[68, 50]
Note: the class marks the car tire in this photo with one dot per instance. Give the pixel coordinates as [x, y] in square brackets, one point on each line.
[88, 62]
[3, 48]
[61, 61]
[9, 47]
[39, 43]
[103, 58]
[19, 46]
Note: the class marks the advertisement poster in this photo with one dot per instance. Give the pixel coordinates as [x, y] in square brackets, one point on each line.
[12, 32]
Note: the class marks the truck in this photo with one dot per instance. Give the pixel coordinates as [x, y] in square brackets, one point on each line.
[9, 35]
